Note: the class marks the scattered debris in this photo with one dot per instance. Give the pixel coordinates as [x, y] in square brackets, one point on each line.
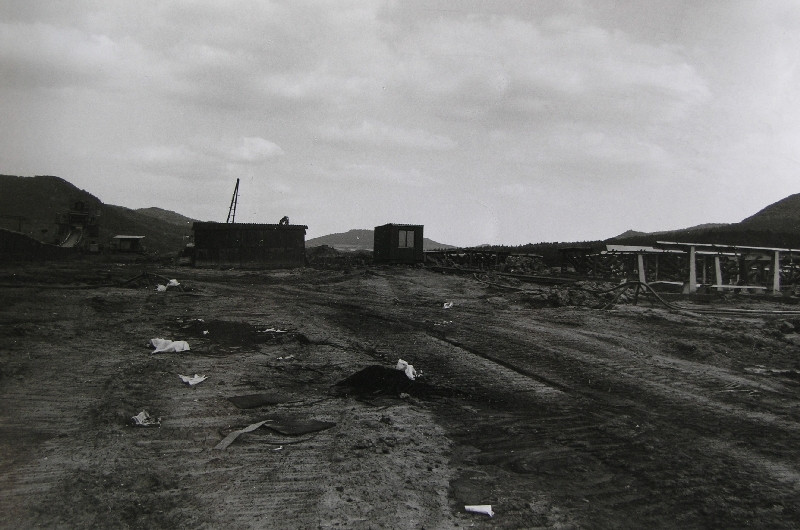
[172, 284]
[252, 401]
[480, 508]
[447, 305]
[205, 332]
[193, 380]
[149, 279]
[286, 358]
[164, 345]
[235, 434]
[407, 368]
[143, 419]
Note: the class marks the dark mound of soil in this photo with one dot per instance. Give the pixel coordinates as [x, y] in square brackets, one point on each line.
[378, 380]
[239, 333]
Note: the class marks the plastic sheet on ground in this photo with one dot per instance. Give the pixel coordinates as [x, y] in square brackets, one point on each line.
[447, 305]
[284, 425]
[192, 380]
[235, 434]
[295, 427]
[143, 419]
[411, 373]
[164, 345]
[480, 508]
[173, 283]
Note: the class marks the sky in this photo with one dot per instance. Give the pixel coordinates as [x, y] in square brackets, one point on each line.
[486, 121]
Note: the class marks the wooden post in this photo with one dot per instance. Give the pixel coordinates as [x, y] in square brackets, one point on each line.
[640, 264]
[776, 273]
[692, 271]
[705, 281]
[718, 272]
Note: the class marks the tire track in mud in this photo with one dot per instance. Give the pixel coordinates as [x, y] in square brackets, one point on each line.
[697, 411]
[626, 440]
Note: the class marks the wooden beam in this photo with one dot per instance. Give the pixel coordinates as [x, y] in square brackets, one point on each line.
[640, 264]
[776, 273]
[692, 288]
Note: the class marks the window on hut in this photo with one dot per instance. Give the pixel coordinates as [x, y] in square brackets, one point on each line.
[406, 238]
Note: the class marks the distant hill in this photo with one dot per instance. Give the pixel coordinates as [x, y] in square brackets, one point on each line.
[777, 225]
[635, 234]
[782, 216]
[361, 239]
[167, 216]
[39, 200]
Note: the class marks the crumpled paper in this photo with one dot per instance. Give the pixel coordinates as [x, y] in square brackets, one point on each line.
[480, 508]
[192, 380]
[164, 345]
[144, 419]
[407, 368]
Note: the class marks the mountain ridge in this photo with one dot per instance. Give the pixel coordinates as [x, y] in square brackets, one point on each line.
[31, 205]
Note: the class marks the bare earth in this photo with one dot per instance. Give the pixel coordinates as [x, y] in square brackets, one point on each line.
[558, 417]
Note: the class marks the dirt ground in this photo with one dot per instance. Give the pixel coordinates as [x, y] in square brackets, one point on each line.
[555, 414]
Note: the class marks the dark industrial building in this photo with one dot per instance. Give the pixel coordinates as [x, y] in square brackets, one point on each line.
[250, 246]
[396, 243]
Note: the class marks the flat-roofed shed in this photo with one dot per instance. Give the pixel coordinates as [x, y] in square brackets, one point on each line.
[249, 245]
[398, 243]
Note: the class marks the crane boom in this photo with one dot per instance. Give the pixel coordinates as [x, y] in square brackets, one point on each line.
[234, 201]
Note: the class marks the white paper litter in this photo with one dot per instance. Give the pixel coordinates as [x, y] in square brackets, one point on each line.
[480, 508]
[447, 305]
[173, 283]
[192, 380]
[164, 345]
[407, 368]
[145, 420]
[161, 288]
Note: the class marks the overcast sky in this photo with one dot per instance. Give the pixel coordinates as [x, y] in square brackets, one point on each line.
[486, 121]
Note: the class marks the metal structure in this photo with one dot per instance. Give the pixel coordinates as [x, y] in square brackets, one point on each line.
[234, 202]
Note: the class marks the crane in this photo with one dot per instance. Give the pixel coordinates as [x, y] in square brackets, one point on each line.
[234, 201]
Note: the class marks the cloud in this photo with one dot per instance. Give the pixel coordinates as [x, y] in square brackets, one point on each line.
[364, 173]
[520, 101]
[252, 150]
[491, 64]
[202, 159]
[376, 133]
[42, 55]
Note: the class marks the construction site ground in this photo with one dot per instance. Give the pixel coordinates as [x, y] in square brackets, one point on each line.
[531, 400]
